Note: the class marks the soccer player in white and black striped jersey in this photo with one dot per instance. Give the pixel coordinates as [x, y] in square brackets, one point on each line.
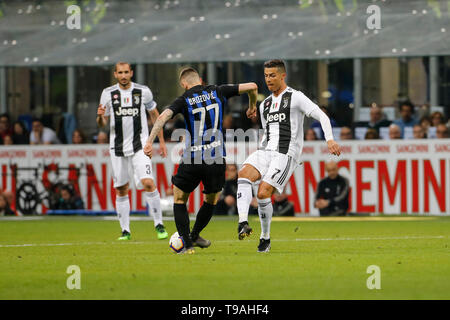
[281, 116]
[127, 103]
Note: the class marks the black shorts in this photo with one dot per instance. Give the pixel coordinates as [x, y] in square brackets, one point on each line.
[189, 176]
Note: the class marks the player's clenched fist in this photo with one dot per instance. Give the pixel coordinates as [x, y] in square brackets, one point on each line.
[101, 110]
[251, 113]
[148, 149]
[333, 147]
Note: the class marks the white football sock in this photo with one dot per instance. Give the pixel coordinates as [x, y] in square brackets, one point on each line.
[123, 212]
[153, 201]
[243, 198]
[265, 211]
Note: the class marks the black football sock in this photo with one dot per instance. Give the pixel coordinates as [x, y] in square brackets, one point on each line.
[182, 222]
[203, 217]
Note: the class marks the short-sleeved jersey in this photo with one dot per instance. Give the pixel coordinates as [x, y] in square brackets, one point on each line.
[202, 108]
[127, 108]
[282, 120]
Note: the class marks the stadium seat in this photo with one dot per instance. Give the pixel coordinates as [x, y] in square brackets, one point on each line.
[384, 133]
[26, 119]
[390, 113]
[438, 109]
[364, 114]
[360, 132]
[318, 132]
[431, 133]
[408, 133]
[337, 133]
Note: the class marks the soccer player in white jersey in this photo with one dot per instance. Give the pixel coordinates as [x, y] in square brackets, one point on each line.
[127, 103]
[280, 149]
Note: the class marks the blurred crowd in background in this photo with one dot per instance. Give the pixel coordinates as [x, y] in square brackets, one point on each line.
[36, 131]
[412, 123]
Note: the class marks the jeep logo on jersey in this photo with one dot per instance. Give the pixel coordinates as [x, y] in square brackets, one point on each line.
[125, 112]
[277, 117]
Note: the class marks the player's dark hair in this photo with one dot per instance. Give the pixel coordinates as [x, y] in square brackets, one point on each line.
[275, 63]
[187, 71]
[121, 63]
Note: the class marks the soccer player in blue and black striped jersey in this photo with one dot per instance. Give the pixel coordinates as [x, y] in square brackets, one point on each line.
[202, 107]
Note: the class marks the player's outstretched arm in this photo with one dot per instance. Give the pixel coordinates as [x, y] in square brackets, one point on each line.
[101, 118]
[252, 90]
[165, 116]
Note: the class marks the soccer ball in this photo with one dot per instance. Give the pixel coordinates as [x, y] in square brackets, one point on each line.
[176, 243]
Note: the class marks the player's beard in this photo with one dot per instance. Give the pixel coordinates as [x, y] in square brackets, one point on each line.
[124, 83]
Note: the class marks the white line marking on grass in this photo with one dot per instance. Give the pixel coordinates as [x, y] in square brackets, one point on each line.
[369, 238]
[17, 218]
[67, 244]
[349, 239]
[133, 218]
[218, 241]
[350, 219]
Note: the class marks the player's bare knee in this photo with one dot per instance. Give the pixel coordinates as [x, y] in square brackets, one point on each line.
[211, 202]
[242, 173]
[179, 199]
[263, 194]
[264, 191]
[179, 196]
[122, 191]
[149, 185]
[248, 172]
[212, 198]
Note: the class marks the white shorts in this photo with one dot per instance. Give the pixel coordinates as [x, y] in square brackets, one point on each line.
[138, 164]
[275, 168]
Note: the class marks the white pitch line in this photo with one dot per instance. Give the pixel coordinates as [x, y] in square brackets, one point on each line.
[376, 238]
[350, 239]
[219, 241]
[66, 244]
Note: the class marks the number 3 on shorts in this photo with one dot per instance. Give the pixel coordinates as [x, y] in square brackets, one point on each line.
[149, 169]
[278, 171]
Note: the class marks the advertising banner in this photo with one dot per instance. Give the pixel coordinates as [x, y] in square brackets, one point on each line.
[391, 177]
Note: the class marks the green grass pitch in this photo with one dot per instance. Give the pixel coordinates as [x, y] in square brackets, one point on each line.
[320, 259]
